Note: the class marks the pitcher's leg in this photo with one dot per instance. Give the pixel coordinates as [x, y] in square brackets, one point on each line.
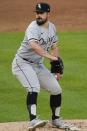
[49, 83]
[26, 75]
[28, 78]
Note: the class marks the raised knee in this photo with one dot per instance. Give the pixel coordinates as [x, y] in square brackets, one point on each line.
[56, 90]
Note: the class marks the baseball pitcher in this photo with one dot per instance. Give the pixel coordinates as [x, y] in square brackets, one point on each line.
[40, 41]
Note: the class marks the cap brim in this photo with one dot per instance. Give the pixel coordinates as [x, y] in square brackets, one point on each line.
[38, 11]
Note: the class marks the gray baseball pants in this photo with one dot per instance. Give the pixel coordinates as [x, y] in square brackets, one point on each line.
[35, 76]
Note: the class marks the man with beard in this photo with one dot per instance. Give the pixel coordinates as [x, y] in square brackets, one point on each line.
[28, 67]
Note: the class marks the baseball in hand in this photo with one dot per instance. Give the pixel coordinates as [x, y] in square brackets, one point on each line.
[57, 76]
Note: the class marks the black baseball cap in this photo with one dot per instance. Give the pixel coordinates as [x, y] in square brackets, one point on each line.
[42, 7]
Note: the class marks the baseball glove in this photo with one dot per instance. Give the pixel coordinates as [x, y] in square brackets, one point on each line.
[57, 66]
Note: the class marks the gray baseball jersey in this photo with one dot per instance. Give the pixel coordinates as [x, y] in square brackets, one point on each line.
[44, 37]
[27, 65]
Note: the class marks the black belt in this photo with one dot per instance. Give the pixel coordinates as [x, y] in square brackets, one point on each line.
[27, 60]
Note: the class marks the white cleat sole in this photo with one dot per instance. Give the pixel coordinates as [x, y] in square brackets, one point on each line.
[33, 128]
[73, 128]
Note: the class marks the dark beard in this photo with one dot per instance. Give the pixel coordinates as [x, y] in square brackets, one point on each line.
[41, 22]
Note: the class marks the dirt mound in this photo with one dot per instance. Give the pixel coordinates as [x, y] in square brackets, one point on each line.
[22, 126]
[67, 15]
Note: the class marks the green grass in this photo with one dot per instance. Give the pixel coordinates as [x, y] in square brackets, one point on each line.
[73, 50]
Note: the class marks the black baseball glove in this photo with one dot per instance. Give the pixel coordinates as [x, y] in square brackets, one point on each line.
[57, 66]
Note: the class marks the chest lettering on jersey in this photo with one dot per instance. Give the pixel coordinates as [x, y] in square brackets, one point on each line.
[45, 42]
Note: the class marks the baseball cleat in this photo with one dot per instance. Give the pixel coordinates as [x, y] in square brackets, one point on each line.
[73, 128]
[59, 123]
[35, 124]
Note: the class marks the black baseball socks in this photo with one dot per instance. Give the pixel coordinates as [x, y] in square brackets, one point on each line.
[31, 104]
[55, 104]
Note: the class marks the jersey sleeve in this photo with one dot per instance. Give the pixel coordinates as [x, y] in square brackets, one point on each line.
[32, 34]
[55, 37]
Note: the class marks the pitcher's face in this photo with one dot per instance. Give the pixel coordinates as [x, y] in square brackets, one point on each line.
[41, 17]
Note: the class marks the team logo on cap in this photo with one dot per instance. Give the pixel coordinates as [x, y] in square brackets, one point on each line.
[39, 6]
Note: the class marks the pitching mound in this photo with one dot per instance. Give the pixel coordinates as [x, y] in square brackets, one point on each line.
[22, 126]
